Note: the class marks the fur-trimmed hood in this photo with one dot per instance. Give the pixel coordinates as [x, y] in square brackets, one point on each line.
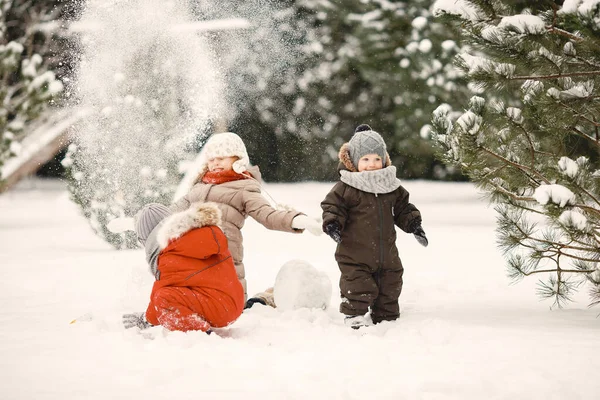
[196, 216]
[346, 160]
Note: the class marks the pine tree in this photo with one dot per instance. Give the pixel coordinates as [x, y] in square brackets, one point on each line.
[378, 62]
[531, 139]
[406, 54]
[27, 84]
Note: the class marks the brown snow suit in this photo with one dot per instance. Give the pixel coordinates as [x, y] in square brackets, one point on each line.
[371, 270]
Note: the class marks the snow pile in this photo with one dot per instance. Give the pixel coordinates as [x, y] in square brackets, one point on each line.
[456, 7]
[300, 285]
[568, 167]
[575, 219]
[523, 23]
[578, 6]
[556, 194]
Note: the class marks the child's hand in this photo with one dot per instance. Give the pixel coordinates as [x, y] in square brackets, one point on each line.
[420, 236]
[334, 231]
[310, 224]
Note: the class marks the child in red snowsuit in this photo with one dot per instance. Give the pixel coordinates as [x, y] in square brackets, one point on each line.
[196, 285]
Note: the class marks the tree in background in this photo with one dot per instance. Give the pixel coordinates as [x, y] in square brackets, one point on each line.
[532, 140]
[28, 85]
[312, 71]
[406, 55]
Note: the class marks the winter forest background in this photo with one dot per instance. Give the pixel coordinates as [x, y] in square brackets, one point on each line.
[122, 95]
[490, 110]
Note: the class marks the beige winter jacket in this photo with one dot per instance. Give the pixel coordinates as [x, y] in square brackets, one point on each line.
[238, 200]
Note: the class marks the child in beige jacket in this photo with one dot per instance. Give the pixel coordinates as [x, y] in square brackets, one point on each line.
[227, 179]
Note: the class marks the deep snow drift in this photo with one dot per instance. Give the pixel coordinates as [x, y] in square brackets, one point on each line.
[464, 333]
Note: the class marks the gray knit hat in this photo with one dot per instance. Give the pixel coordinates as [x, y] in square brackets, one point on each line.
[366, 141]
[148, 218]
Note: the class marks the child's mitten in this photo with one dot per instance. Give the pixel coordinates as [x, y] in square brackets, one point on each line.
[304, 222]
[334, 231]
[420, 235]
[137, 319]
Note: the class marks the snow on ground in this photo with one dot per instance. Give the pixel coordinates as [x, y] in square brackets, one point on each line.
[464, 333]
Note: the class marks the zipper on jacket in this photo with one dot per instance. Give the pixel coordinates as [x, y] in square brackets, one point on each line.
[380, 207]
[205, 268]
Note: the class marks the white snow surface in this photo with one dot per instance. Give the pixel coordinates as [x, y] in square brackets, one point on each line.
[464, 333]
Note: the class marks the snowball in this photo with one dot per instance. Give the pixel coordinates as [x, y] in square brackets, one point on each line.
[300, 285]
[556, 194]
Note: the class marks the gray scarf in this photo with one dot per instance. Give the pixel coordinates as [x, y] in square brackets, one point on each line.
[379, 181]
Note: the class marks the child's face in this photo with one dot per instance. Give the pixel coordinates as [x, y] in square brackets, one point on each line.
[219, 164]
[370, 162]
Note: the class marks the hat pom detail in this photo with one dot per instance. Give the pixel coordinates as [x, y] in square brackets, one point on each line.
[362, 127]
[239, 166]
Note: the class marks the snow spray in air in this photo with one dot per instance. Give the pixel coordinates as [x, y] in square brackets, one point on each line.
[154, 91]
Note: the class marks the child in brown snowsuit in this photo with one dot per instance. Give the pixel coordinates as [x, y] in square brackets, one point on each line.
[360, 213]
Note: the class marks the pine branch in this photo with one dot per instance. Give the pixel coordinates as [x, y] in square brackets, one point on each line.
[562, 32]
[516, 165]
[558, 269]
[579, 258]
[588, 208]
[555, 76]
[587, 62]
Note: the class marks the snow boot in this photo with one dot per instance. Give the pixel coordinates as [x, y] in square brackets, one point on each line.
[356, 321]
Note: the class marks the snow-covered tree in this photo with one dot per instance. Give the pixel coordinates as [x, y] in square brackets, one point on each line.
[406, 54]
[531, 138]
[27, 86]
[154, 92]
[379, 62]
